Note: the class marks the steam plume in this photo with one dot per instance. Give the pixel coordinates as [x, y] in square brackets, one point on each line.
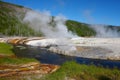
[40, 21]
[102, 31]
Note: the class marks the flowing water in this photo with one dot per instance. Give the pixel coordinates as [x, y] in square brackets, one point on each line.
[45, 56]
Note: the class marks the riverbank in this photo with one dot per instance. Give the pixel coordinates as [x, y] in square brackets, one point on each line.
[12, 65]
[15, 68]
[74, 71]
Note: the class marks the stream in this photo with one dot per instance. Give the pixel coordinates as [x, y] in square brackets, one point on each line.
[45, 56]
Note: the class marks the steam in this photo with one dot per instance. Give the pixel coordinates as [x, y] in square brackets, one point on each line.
[56, 28]
[101, 30]
[104, 32]
[40, 21]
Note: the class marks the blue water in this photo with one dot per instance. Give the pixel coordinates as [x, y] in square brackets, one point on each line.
[45, 56]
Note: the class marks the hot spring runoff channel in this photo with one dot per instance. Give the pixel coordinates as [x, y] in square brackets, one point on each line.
[45, 56]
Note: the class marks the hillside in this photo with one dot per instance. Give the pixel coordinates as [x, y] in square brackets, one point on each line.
[80, 29]
[12, 23]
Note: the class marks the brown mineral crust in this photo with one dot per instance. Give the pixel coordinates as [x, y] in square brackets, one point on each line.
[6, 70]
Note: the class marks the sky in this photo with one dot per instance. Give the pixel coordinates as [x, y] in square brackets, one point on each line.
[88, 11]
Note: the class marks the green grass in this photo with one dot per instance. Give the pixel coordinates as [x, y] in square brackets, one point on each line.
[83, 72]
[68, 69]
[15, 61]
[75, 71]
[6, 49]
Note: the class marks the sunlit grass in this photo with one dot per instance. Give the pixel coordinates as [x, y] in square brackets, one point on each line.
[7, 53]
[83, 72]
[14, 61]
[6, 49]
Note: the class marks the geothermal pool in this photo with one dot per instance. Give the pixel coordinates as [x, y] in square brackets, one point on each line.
[95, 48]
[45, 56]
[99, 51]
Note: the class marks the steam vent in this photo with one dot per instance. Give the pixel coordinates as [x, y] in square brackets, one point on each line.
[95, 48]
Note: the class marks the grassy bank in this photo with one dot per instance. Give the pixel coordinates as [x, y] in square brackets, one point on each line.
[69, 70]
[6, 49]
[7, 56]
[16, 61]
[72, 70]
